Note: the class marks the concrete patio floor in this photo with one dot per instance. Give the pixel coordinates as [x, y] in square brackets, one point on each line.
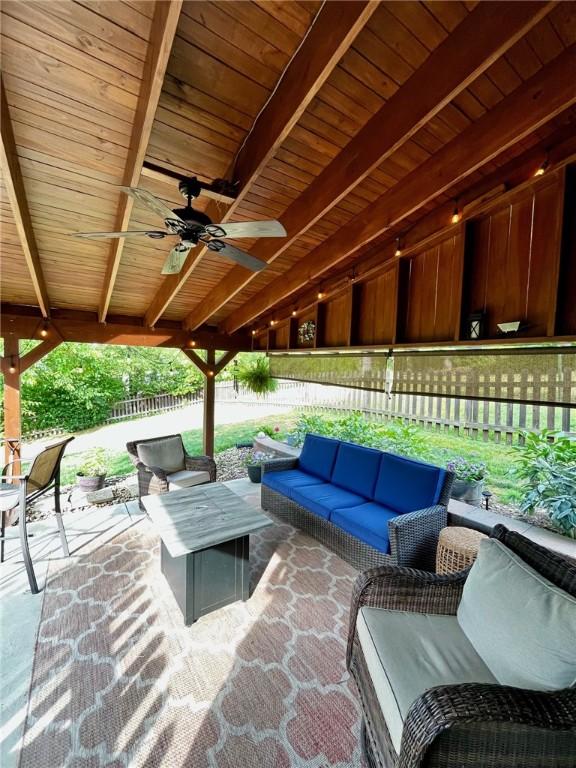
[20, 610]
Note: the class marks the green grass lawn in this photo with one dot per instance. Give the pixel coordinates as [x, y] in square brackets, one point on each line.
[227, 436]
[441, 446]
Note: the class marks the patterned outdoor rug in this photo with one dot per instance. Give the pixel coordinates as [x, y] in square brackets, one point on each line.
[120, 681]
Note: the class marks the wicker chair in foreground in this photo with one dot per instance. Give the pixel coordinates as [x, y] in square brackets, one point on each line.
[469, 670]
[163, 464]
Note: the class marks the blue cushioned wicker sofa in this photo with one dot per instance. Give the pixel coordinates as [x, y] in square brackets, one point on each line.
[370, 507]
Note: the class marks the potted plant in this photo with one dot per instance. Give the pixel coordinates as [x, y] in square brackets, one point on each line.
[255, 376]
[469, 479]
[91, 474]
[254, 462]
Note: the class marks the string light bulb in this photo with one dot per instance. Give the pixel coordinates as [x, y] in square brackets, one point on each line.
[398, 251]
[44, 331]
[272, 322]
[12, 367]
[253, 332]
[192, 343]
[455, 215]
[210, 373]
[294, 313]
[320, 294]
[542, 168]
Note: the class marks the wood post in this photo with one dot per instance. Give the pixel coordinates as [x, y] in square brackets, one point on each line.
[210, 369]
[209, 404]
[12, 410]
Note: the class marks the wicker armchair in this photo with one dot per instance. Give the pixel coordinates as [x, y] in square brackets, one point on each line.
[469, 724]
[162, 463]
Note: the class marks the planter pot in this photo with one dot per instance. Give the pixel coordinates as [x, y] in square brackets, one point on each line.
[87, 483]
[468, 492]
[255, 472]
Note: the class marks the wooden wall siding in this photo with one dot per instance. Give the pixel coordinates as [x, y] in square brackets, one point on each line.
[280, 336]
[510, 261]
[432, 281]
[374, 318]
[566, 310]
[336, 321]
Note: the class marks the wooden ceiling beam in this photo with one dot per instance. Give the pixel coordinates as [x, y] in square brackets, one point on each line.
[163, 30]
[533, 104]
[481, 38]
[83, 327]
[494, 190]
[12, 177]
[333, 31]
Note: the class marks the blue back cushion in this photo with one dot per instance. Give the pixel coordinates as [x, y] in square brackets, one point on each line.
[407, 485]
[318, 454]
[356, 468]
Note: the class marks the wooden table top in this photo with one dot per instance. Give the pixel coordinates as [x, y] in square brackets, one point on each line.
[195, 518]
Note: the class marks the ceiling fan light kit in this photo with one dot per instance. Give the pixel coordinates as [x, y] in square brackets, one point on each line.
[195, 228]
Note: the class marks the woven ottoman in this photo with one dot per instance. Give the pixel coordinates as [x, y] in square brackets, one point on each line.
[457, 548]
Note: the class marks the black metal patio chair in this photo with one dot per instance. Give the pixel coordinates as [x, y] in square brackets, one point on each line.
[44, 474]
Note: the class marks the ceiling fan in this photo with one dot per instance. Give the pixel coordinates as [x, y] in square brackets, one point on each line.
[195, 228]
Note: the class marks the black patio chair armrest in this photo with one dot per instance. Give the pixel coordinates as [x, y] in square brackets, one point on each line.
[9, 464]
[404, 589]
[157, 471]
[201, 464]
[414, 536]
[487, 722]
[278, 465]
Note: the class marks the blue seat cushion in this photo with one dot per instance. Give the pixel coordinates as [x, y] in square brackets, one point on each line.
[406, 484]
[368, 522]
[284, 481]
[322, 499]
[318, 455]
[356, 468]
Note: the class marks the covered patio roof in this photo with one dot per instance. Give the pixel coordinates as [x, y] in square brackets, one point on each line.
[419, 155]
[352, 123]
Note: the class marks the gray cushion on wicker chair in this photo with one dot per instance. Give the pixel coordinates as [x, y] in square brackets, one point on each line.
[166, 453]
[530, 638]
[186, 478]
[409, 653]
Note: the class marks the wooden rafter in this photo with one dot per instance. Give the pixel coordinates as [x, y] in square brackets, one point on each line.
[335, 28]
[12, 177]
[465, 54]
[540, 99]
[164, 23]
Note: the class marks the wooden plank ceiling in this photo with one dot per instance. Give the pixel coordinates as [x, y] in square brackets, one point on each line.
[76, 74]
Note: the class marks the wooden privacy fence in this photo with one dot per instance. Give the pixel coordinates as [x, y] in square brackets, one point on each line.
[487, 420]
[148, 406]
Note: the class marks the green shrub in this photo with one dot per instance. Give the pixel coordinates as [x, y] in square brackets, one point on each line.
[394, 436]
[546, 467]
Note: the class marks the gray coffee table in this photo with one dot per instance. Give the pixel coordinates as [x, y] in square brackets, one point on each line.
[204, 552]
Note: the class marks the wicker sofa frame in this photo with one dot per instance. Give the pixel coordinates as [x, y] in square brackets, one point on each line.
[152, 480]
[467, 725]
[413, 536]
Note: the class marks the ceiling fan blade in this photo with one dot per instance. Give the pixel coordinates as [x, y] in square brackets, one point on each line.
[147, 198]
[235, 254]
[248, 229]
[155, 235]
[176, 259]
